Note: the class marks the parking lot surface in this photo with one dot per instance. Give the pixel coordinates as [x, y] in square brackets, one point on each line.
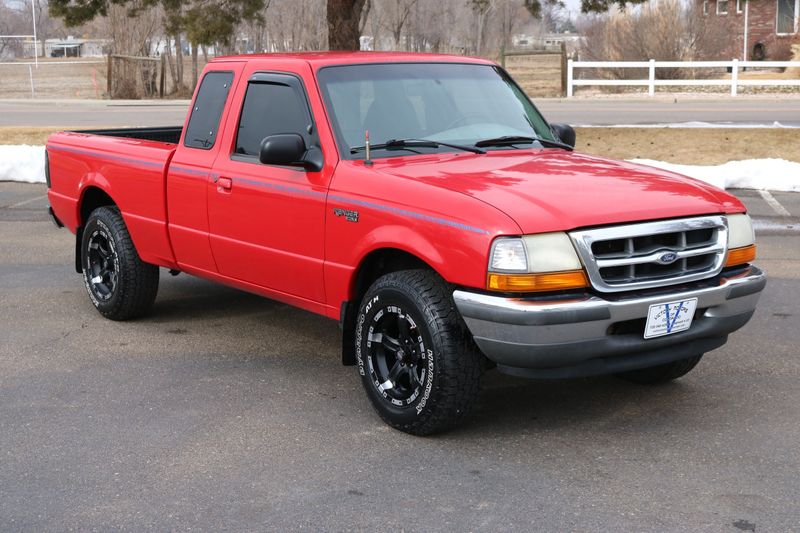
[225, 411]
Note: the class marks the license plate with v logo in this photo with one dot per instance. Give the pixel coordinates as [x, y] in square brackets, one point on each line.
[668, 318]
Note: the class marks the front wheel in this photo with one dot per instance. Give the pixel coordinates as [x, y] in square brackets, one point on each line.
[120, 285]
[418, 364]
[662, 373]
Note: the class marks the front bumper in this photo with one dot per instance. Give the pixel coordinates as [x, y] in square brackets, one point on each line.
[589, 335]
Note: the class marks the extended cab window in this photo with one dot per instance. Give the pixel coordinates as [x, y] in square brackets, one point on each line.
[274, 104]
[204, 121]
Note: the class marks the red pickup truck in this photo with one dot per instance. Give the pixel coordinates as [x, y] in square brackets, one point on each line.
[423, 202]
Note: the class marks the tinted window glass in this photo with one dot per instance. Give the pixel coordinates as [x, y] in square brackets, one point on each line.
[204, 122]
[269, 109]
[448, 102]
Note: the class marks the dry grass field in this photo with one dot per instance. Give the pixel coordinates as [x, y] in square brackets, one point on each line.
[691, 146]
[694, 146]
[63, 78]
[27, 135]
[539, 75]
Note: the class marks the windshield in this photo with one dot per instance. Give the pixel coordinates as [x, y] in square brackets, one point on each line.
[453, 103]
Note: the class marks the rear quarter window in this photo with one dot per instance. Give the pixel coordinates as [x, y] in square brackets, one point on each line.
[207, 109]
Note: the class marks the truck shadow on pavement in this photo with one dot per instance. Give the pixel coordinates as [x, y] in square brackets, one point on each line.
[242, 322]
[593, 406]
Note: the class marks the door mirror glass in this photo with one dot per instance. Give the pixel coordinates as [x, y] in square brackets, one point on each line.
[283, 149]
[565, 133]
[289, 149]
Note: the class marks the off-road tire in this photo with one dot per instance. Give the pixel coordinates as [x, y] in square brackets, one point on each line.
[662, 373]
[439, 342]
[135, 282]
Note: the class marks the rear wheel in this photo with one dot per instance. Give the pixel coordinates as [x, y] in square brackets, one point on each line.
[662, 373]
[418, 364]
[120, 285]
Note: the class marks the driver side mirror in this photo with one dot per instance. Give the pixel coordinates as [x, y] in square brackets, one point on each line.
[289, 149]
[565, 133]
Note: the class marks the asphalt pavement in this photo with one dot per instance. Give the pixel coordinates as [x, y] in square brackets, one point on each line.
[225, 411]
[724, 110]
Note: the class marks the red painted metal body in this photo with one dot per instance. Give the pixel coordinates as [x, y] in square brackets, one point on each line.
[272, 230]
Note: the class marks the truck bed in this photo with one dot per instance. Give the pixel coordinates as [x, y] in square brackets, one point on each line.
[128, 165]
[169, 134]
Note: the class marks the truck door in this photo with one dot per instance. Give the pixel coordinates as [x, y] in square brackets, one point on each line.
[267, 222]
[190, 168]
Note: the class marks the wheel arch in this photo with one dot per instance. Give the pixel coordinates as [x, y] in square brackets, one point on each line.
[373, 265]
[91, 198]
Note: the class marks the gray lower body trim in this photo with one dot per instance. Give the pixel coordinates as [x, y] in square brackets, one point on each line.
[549, 336]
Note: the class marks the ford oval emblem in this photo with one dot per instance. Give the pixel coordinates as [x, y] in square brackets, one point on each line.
[667, 258]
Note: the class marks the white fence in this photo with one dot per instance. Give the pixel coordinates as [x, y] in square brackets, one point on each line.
[651, 82]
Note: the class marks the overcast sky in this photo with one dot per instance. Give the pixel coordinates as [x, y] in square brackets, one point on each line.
[574, 6]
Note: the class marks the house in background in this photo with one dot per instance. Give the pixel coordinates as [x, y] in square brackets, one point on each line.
[72, 47]
[761, 29]
[69, 47]
[545, 41]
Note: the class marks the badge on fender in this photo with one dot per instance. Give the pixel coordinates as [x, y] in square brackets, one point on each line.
[350, 216]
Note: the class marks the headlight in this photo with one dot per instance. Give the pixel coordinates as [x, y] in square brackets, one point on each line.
[741, 240]
[544, 262]
[550, 252]
[740, 231]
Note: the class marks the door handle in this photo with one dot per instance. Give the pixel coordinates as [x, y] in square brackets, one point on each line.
[224, 184]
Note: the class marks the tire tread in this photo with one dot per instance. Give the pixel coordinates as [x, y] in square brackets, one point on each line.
[138, 281]
[458, 381]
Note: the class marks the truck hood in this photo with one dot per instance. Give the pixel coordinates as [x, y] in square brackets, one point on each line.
[555, 190]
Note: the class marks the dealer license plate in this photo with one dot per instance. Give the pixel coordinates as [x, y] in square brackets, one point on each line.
[669, 318]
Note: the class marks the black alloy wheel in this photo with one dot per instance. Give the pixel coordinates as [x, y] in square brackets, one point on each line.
[418, 363]
[120, 285]
[396, 356]
[102, 264]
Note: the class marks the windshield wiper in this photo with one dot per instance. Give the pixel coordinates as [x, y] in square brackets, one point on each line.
[510, 140]
[399, 144]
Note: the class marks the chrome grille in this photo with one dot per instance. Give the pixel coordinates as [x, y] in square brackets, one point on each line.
[653, 254]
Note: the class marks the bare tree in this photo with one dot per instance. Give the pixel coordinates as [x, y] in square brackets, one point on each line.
[133, 78]
[668, 30]
[398, 12]
[11, 23]
[17, 19]
[508, 18]
[553, 16]
[481, 10]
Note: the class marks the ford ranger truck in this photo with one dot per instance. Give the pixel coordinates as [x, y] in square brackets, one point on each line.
[424, 203]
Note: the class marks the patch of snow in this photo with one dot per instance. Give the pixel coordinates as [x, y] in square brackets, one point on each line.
[770, 174]
[22, 163]
[26, 164]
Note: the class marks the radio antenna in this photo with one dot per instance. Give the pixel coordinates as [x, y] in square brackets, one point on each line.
[367, 160]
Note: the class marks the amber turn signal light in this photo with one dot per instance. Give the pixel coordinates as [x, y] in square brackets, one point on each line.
[740, 256]
[551, 281]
